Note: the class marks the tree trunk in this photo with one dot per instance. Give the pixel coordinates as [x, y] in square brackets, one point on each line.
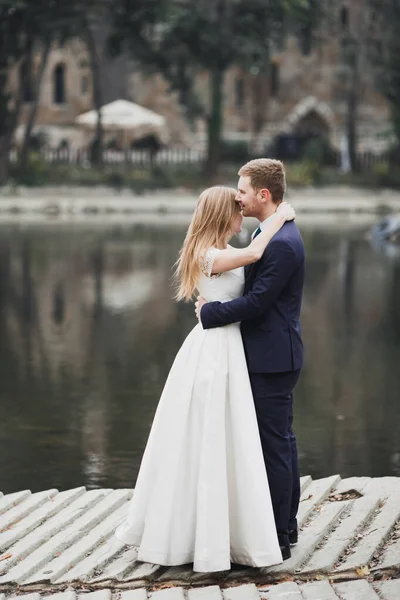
[97, 148]
[4, 158]
[34, 108]
[215, 122]
[395, 154]
[9, 118]
[352, 106]
[259, 110]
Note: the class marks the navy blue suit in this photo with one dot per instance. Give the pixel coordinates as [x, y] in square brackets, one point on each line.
[269, 313]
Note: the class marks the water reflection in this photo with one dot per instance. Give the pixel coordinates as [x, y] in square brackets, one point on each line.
[88, 332]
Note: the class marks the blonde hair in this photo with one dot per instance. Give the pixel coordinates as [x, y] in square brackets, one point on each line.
[210, 226]
[266, 173]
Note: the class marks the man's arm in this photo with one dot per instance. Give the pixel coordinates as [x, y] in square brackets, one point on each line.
[278, 265]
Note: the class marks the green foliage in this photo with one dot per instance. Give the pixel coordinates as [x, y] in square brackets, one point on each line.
[384, 50]
[386, 176]
[138, 179]
[180, 39]
[234, 151]
[144, 179]
[320, 151]
[304, 173]
[36, 173]
[305, 16]
[170, 35]
[26, 26]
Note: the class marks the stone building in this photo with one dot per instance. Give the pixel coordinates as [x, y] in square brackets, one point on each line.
[307, 89]
[304, 93]
[66, 91]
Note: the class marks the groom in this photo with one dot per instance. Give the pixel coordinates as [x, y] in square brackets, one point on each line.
[269, 313]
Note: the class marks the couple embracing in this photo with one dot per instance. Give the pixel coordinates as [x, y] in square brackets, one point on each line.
[219, 480]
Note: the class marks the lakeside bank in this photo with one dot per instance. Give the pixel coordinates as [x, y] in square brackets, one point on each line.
[102, 201]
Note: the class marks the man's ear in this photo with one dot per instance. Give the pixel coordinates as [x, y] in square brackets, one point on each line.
[265, 194]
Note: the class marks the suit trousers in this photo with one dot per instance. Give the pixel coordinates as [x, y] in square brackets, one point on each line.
[273, 399]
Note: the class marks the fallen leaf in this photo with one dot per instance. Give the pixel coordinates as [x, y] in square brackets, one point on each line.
[363, 571]
[6, 556]
[308, 498]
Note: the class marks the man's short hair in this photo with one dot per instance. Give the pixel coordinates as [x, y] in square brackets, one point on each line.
[266, 173]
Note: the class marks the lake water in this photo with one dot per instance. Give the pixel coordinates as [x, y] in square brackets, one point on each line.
[88, 332]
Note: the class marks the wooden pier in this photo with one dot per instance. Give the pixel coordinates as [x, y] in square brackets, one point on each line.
[60, 545]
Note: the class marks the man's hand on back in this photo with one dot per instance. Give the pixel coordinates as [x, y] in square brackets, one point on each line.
[198, 306]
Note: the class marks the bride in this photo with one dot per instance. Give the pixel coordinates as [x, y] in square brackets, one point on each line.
[202, 492]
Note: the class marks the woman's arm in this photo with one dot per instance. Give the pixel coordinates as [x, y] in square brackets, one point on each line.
[275, 271]
[232, 258]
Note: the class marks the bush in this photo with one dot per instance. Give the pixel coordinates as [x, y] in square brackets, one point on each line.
[75, 175]
[303, 173]
[394, 155]
[386, 176]
[115, 180]
[234, 151]
[319, 151]
[36, 173]
[38, 141]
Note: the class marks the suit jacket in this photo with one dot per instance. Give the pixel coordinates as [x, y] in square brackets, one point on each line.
[269, 310]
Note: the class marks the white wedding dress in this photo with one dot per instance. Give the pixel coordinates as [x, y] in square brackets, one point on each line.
[202, 493]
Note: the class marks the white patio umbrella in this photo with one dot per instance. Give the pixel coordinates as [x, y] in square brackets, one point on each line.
[123, 115]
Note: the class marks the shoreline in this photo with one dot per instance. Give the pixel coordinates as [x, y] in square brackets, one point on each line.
[100, 202]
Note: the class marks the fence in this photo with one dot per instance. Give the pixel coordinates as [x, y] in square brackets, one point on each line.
[82, 157]
[176, 156]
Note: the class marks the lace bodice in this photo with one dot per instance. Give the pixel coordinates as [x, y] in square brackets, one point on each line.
[223, 286]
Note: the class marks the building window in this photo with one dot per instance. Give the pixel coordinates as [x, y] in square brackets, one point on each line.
[239, 92]
[344, 17]
[59, 84]
[25, 75]
[84, 85]
[274, 84]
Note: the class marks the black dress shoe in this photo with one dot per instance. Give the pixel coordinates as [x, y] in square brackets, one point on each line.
[293, 536]
[286, 553]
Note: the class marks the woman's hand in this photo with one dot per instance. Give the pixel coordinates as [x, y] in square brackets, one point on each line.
[286, 211]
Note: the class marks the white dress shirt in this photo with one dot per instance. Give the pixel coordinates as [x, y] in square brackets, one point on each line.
[262, 225]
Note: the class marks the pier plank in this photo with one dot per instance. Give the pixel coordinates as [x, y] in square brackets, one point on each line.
[38, 517]
[356, 590]
[10, 500]
[361, 510]
[65, 542]
[314, 495]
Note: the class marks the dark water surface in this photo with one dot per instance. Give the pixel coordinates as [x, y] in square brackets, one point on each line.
[88, 332]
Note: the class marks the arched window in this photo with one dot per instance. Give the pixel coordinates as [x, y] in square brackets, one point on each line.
[344, 17]
[59, 84]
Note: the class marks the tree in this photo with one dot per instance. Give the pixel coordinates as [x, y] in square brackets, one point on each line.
[88, 23]
[36, 89]
[73, 20]
[384, 46]
[24, 26]
[179, 38]
[29, 28]
[353, 68]
[16, 43]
